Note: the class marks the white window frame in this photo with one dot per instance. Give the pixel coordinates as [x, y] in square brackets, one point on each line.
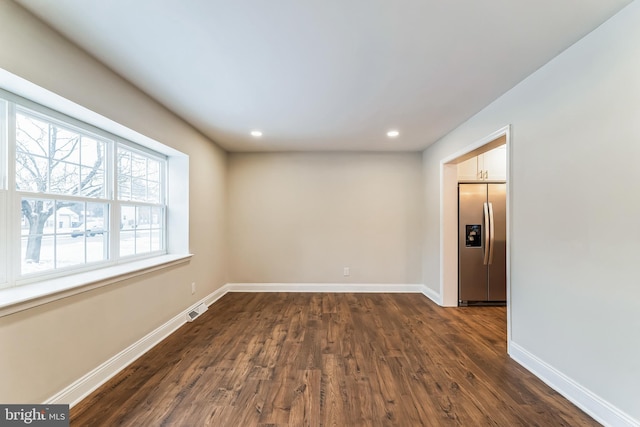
[23, 292]
[18, 277]
[4, 231]
[118, 202]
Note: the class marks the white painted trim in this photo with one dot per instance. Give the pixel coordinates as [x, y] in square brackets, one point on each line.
[505, 130]
[325, 287]
[598, 408]
[81, 388]
[432, 295]
[216, 295]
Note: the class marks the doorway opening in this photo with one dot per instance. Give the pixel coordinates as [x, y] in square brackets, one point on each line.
[449, 215]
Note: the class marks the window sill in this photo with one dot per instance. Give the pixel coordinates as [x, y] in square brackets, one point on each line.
[19, 298]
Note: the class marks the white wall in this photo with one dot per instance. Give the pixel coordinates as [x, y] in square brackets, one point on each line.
[303, 217]
[46, 348]
[575, 198]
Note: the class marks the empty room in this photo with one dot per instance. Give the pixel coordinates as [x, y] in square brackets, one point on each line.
[319, 213]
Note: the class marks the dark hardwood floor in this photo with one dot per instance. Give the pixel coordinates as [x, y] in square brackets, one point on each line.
[299, 359]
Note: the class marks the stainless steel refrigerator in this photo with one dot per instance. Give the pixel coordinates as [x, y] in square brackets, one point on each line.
[482, 244]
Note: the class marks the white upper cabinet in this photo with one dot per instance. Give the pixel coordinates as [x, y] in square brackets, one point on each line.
[468, 170]
[494, 165]
[489, 166]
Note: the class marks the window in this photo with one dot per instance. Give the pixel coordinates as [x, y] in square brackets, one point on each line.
[3, 193]
[72, 196]
[141, 213]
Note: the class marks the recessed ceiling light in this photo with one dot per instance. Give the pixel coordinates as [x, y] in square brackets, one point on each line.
[393, 133]
[256, 133]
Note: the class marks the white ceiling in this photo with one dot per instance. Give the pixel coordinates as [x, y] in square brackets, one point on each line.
[324, 74]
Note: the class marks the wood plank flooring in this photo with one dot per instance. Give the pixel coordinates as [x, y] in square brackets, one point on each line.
[301, 359]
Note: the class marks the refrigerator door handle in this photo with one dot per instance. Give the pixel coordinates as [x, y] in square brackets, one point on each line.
[492, 235]
[486, 225]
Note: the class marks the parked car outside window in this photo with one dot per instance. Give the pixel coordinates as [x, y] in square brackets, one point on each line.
[91, 230]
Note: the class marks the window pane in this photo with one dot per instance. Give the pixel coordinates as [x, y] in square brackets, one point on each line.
[157, 217]
[124, 187]
[69, 251]
[49, 158]
[37, 217]
[143, 214]
[143, 235]
[92, 178]
[156, 240]
[66, 143]
[153, 192]
[143, 241]
[31, 172]
[124, 162]
[97, 216]
[141, 229]
[139, 177]
[138, 190]
[153, 173]
[138, 165]
[98, 247]
[127, 230]
[68, 216]
[92, 182]
[32, 135]
[38, 235]
[71, 234]
[127, 217]
[127, 243]
[32, 153]
[92, 152]
[65, 178]
[45, 259]
[94, 231]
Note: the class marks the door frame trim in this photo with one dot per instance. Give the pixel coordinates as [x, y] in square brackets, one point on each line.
[449, 217]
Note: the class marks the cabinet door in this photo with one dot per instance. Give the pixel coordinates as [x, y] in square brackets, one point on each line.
[468, 170]
[495, 164]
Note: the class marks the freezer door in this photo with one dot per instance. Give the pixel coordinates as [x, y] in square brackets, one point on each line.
[472, 272]
[497, 196]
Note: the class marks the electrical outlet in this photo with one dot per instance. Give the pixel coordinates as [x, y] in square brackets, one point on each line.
[346, 271]
[193, 288]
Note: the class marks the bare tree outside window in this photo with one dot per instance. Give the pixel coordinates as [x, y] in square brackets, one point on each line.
[54, 160]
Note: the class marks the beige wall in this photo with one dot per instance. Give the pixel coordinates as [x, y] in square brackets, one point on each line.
[302, 218]
[44, 349]
[575, 200]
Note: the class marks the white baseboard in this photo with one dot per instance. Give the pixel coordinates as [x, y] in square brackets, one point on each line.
[598, 408]
[88, 383]
[325, 287]
[216, 295]
[431, 294]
